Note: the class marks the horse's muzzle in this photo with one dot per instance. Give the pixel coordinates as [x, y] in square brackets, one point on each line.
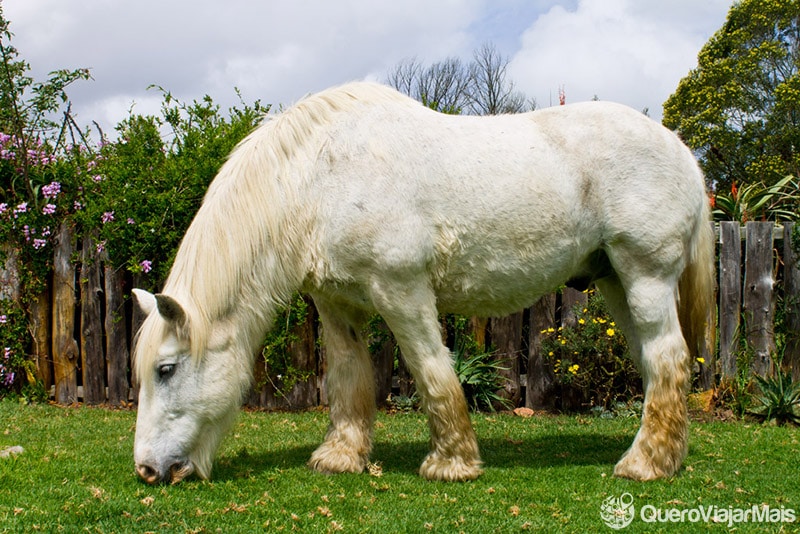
[176, 472]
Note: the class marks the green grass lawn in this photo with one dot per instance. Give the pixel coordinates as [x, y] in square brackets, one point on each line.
[542, 474]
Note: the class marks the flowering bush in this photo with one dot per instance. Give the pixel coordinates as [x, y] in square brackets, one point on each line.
[17, 372]
[590, 361]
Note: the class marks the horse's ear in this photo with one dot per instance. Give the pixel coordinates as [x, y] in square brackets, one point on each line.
[145, 300]
[170, 310]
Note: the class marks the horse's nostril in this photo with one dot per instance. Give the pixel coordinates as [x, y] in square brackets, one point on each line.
[148, 474]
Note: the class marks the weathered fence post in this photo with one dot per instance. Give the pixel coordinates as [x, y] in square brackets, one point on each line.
[506, 334]
[117, 356]
[383, 362]
[10, 283]
[303, 354]
[570, 299]
[730, 295]
[791, 288]
[757, 296]
[92, 358]
[39, 323]
[539, 392]
[65, 348]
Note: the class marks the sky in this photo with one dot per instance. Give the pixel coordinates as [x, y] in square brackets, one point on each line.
[629, 51]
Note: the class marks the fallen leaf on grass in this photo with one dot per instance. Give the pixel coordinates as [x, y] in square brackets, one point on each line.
[524, 412]
[375, 469]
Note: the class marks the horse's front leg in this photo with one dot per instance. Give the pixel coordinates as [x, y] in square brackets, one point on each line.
[351, 394]
[410, 311]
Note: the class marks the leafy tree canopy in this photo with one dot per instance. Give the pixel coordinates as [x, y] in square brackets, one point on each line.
[740, 108]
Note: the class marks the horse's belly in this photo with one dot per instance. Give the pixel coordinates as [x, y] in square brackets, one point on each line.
[501, 285]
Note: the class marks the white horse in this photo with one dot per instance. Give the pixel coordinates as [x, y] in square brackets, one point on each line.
[370, 202]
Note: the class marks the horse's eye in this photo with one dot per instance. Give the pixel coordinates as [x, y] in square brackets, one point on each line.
[166, 370]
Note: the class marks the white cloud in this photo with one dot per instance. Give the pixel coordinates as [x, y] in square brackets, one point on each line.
[630, 51]
[634, 51]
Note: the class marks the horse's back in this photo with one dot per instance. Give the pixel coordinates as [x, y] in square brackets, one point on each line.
[497, 210]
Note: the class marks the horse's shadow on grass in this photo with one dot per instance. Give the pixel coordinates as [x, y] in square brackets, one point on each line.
[555, 450]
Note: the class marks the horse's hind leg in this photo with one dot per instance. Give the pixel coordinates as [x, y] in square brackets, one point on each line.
[410, 311]
[351, 393]
[661, 443]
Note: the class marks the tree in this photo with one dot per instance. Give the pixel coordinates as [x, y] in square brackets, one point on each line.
[443, 86]
[491, 92]
[740, 108]
[480, 87]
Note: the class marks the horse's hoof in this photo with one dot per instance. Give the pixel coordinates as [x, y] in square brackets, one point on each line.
[333, 458]
[637, 467]
[452, 469]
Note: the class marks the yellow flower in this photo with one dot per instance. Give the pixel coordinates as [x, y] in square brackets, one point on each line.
[573, 369]
[601, 320]
[610, 332]
[581, 321]
[701, 360]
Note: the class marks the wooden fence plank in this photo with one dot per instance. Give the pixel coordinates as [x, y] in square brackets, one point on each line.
[41, 333]
[383, 361]
[92, 358]
[730, 296]
[65, 348]
[10, 283]
[117, 356]
[757, 296]
[791, 298]
[304, 359]
[506, 335]
[539, 391]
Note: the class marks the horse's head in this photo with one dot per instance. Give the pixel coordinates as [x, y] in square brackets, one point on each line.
[188, 396]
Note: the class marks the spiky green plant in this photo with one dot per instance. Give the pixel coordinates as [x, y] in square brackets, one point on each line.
[778, 400]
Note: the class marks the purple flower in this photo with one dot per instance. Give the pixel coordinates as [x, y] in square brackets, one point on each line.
[3, 207]
[21, 208]
[7, 354]
[101, 246]
[39, 243]
[51, 190]
[9, 379]
[3, 319]
[77, 206]
[131, 221]
[107, 217]
[49, 209]
[146, 266]
[97, 179]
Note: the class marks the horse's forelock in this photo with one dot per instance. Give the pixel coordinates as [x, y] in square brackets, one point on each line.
[153, 333]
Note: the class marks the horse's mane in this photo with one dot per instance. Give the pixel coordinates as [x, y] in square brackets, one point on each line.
[254, 204]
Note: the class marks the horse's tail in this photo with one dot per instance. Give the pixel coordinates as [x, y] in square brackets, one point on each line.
[696, 287]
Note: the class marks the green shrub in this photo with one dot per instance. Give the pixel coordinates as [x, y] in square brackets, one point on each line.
[477, 370]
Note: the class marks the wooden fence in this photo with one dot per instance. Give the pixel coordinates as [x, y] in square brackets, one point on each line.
[82, 328]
